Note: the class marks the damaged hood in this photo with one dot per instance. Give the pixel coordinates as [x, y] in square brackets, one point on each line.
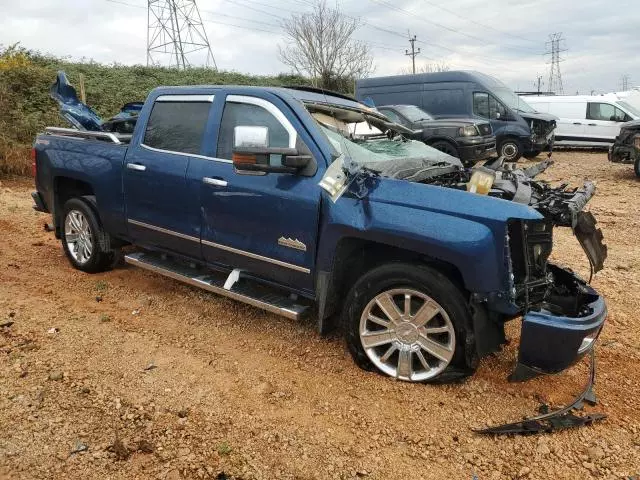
[545, 117]
[521, 196]
[82, 117]
[78, 114]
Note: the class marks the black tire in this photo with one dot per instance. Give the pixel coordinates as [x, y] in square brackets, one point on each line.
[510, 149]
[425, 280]
[531, 155]
[102, 255]
[636, 166]
[446, 147]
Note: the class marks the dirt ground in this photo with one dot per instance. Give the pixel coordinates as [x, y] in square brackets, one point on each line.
[127, 375]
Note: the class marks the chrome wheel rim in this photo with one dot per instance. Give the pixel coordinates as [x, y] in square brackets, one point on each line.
[407, 335]
[77, 234]
[509, 151]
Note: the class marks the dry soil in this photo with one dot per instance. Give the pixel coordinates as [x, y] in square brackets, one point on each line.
[127, 374]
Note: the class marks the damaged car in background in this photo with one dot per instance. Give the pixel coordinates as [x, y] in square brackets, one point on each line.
[626, 148]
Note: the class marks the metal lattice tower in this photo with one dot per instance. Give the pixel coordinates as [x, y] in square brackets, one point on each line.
[625, 82]
[555, 77]
[175, 33]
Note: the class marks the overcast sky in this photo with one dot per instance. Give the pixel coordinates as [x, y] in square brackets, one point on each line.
[504, 38]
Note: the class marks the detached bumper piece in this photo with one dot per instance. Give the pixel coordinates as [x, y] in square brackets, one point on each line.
[560, 419]
[563, 330]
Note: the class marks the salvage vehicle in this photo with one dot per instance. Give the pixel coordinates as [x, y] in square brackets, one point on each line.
[266, 195]
[467, 139]
[626, 148]
[520, 130]
[584, 120]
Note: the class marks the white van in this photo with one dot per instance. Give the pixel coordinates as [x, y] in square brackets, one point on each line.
[586, 120]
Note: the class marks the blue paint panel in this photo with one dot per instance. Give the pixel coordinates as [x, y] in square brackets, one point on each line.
[465, 230]
[97, 163]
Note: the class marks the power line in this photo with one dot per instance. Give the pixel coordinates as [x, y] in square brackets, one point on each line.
[245, 27]
[478, 23]
[445, 27]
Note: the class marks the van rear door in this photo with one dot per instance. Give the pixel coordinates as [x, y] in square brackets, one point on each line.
[571, 125]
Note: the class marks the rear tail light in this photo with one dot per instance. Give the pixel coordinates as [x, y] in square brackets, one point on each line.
[34, 168]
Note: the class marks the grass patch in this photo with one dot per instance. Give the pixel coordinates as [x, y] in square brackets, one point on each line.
[224, 448]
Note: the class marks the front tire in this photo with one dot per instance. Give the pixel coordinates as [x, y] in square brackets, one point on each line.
[409, 322]
[85, 243]
[446, 147]
[511, 149]
[636, 166]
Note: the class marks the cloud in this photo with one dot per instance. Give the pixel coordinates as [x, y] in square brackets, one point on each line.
[504, 38]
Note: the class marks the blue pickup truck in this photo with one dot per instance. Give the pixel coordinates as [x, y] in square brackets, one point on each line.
[270, 197]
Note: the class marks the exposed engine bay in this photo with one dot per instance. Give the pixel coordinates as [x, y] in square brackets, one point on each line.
[358, 137]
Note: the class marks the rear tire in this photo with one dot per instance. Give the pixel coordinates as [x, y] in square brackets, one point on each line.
[84, 240]
[636, 166]
[510, 149]
[422, 338]
[446, 147]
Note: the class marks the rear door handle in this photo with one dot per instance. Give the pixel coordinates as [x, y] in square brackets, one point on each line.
[592, 124]
[218, 182]
[136, 166]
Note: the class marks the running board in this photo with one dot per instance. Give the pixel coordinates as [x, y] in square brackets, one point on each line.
[242, 289]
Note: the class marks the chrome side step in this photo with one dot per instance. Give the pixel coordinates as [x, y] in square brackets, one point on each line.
[240, 289]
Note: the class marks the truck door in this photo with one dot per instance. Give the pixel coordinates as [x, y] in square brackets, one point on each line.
[488, 107]
[161, 210]
[265, 224]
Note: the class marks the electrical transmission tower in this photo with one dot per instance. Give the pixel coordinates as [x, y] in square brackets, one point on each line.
[555, 77]
[625, 82]
[175, 32]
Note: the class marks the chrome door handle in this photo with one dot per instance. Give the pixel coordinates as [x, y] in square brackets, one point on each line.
[215, 181]
[136, 166]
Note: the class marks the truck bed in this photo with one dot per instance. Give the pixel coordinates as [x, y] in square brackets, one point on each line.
[117, 138]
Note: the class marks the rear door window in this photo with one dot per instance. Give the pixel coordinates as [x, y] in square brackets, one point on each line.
[177, 126]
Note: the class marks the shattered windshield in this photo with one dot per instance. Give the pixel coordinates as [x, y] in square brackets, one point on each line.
[369, 151]
[512, 101]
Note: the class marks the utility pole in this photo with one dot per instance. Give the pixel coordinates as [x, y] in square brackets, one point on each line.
[625, 82]
[413, 53]
[175, 32]
[555, 77]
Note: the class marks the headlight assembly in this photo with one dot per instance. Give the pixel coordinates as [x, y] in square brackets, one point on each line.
[468, 131]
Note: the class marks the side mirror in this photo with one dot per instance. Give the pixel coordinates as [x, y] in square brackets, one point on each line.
[251, 152]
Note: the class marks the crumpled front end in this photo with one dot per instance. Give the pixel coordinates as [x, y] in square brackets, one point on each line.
[562, 314]
[626, 148]
[562, 329]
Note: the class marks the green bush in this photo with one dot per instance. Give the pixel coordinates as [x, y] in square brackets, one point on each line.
[26, 108]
